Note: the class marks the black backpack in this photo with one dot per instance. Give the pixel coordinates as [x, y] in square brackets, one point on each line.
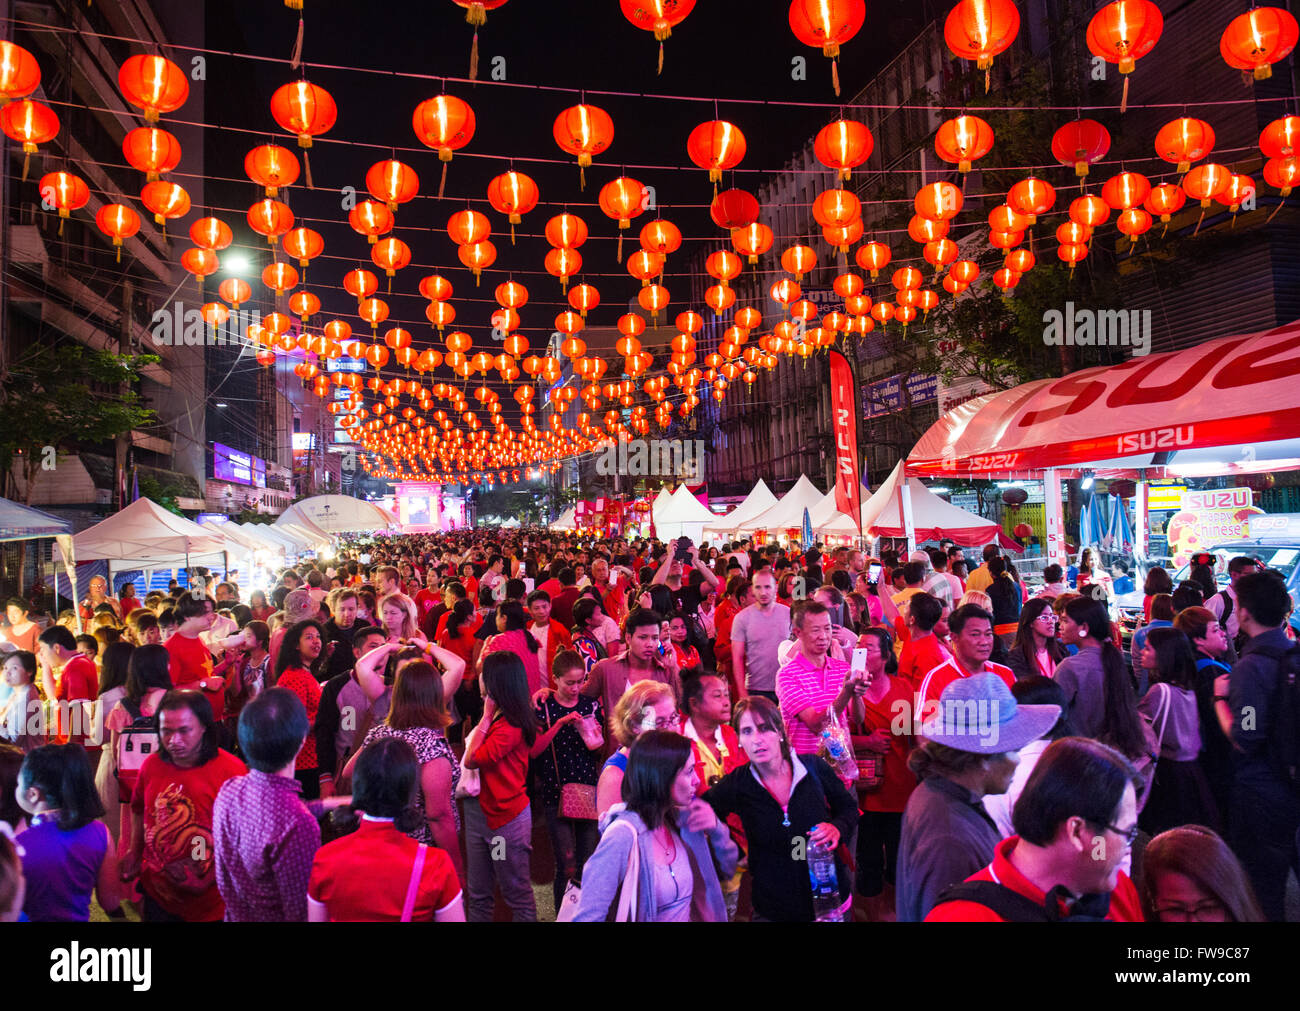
[1013, 907]
[1284, 727]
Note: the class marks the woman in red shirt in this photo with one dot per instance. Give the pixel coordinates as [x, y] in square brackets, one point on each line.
[368, 875]
[258, 605]
[297, 667]
[498, 823]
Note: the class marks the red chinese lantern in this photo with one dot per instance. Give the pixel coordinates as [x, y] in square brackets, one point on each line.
[753, 241]
[1072, 233]
[1125, 190]
[719, 297]
[563, 263]
[476, 15]
[1281, 138]
[1205, 182]
[981, 29]
[371, 219]
[1089, 210]
[304, 243]
[873, 257]
[446, 124]
[20, 74]
[151, 151]
[1005, 218]
[360, 284]
[732, 209]
[1134, 221]
[440, 314]
[836, 208]
[65, 192]
[622, 199]
[586, 131]
[657, 16]
[965, 271]
[566, 231]
[392, 255]
[1080, 143]
[510, 294]
[722, 265]
[1184, 140]
[304, 304]
[716, 145]
[940, 253]
[392, 182]
[841, 237]
[1020, 260]
[119, 223]
[1282, 174]
[1239, 190]
[30, 124]
[963, 140]
[939, 201]
[689, 321]
[827, 25]
[279, 277]
[584, 297]
[513, 194]
[659, 238]
[1165, 200]
[1072, 254]
[200, 262]
[265, 357]
[271, 166]
[214, 314]
[652, 299]
[166, 200]
[235, 290]
[477, 257]
[1259, 38]
[644, 265]
[843, 145]
[154, 84]
[270, 218]
[374, 311]
[1031, 197]
[798, 260]
[1006, 278]
[1123, 32]
[468, 227]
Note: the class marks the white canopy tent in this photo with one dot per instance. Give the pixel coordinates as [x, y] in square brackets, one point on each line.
[255, 532]
[683, 516]
[148, 536]
[333, 514]
[565, 520]
[311, 539]
[829, 521]
[759, 500]
[657, 507]
[788, 512]
[931, 517]
[292, 544]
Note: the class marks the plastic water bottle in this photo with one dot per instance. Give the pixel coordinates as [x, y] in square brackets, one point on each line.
[838, 753]
[825, 884]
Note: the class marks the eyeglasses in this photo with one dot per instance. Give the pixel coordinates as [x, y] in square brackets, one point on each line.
[1206, 912]
[671, 723]
[1129, 834]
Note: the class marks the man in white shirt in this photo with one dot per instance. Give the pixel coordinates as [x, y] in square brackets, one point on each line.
[1226, 600]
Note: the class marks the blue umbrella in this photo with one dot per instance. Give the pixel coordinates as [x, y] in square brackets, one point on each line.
[1121, 534]
[807, 529]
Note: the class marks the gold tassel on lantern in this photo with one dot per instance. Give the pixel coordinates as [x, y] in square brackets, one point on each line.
[296, 58]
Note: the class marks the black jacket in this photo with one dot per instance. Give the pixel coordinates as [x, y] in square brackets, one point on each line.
[782, 888]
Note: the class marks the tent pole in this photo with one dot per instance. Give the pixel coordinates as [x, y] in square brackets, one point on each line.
[904, 493]
[1053, 517]
[1140, 520]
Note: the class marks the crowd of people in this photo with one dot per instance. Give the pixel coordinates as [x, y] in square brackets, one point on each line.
[727, 732]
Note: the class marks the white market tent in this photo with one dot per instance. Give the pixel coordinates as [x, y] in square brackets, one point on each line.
[759, 500]
[310, 538]
[827, 519]
[659, 505]
[565, 520]
[293, 545]
[333, 514]
[22, 523]
[256, 532]
[683, 516]
[788, 512]
[147, 536]
[932, 517]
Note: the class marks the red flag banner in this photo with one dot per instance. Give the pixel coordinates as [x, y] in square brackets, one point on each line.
[844, 422]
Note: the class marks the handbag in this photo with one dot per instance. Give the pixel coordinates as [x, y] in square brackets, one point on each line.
[413, 886]
[577, 800]
[627, 894]
[871, 770]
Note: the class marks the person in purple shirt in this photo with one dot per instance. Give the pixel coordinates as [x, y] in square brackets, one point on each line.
[67, 854]
[264, 836]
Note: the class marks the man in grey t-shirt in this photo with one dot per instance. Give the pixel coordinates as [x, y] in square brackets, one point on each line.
[755, 635]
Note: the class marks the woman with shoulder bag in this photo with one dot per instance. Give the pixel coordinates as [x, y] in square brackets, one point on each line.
[1180, 794]
[566, 764]
[661, 850]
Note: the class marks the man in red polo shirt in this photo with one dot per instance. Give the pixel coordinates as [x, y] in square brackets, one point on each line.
[77, 683]
[191, 662]
[923, 651]
[970, 632]
[1075, 822]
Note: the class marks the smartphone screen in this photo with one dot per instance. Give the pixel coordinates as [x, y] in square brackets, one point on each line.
[873, 574]
[528, 584]
[859, 661]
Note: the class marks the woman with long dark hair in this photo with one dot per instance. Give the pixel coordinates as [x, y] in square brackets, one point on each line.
[148, 679]
[1158, 581]
[379, 872]
[67, 853]
[680, 843]
[298, 667]
[499, 824]
[112, 689]
[1097, 685]
[513, 637]
[1036, 650]
[1180, 793]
